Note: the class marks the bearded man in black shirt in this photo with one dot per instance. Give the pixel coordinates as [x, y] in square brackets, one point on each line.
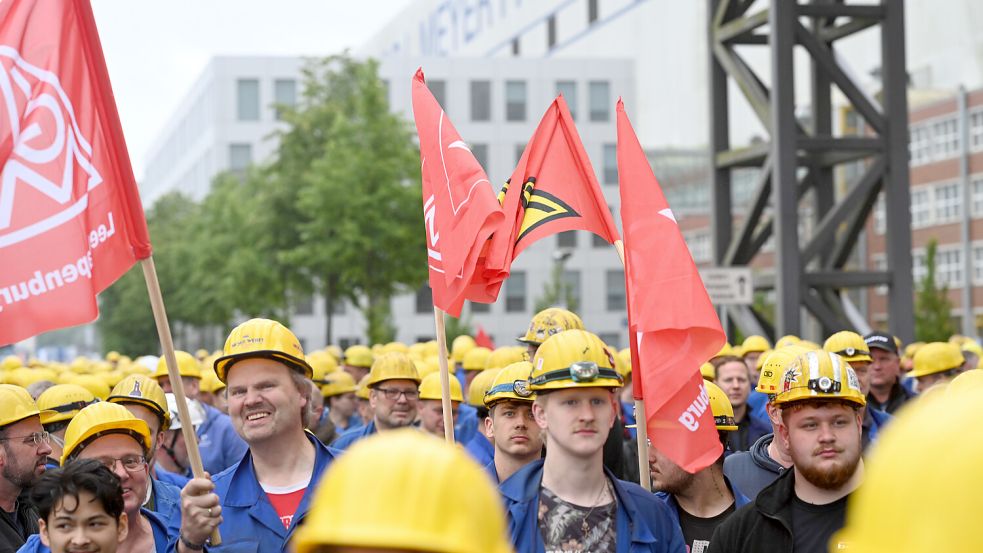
[821, 410]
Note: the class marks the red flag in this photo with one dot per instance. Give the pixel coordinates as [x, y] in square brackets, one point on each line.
[71, 222]
[460, 210]
[553, 189]
[483, 339]
[671, 315]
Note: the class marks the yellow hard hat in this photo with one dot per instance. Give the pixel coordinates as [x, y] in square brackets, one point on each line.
[911, 349]
[819, 375]
[624, 357]
[338, 383]
[23, 377]
[624, 369]
[395, 346]
[425, 367]
[100, 419]
[112, 356]
[787, 340]
[725, 351]
[461, 346]
[16, 405]
[143, 390]
[474, 359]
[810, 345]
[480, 385]
[936, 357]
[322, 364]
[959, 339]
[931, 438]
[359, 356]
[335, 352]
[848, 345]
[511, 383]
[209, 381]
[708, 371]
[362, 388]
[430, 388]
[761, 359]
[548, 322]
[573, 359]
[376, 349]
[737, 351]
[392, 366]
[11, 362]
[506, 355]
[446, 503]
[62, 401]
[187, 365]
[772, 368]
[94, 384]
[262, 338]
[723, 411]
[755, 343]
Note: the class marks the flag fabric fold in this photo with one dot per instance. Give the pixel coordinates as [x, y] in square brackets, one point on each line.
[459, 207]
[672, 325]
[71, 222]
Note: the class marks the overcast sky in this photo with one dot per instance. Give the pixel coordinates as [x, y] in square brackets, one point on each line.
[155, 50]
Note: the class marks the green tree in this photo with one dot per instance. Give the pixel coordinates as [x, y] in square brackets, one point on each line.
[557, 291]
[933, 310]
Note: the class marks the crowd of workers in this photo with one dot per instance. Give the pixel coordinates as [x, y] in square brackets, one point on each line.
[855, 444]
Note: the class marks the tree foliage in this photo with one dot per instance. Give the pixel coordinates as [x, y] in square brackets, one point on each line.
[933, 310]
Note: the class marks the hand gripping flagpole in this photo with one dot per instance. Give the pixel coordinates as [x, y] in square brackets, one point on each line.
[445, 379]
[167, 345]
[641, 421]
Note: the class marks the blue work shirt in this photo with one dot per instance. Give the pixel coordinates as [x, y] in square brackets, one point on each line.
[348, 437]
[628, 408]
[220, 446]
[467, 424]
[481, 449]
[756, 402]
[162, 539]
[644, 523]
[167, 502]
[173, 478]
[250, 523]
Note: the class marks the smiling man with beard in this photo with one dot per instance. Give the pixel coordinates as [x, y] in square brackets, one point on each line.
[821, 405]
[24, 451]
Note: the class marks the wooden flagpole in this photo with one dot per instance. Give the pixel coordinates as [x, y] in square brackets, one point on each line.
[167, 345]
[641, 422]
[445, 379]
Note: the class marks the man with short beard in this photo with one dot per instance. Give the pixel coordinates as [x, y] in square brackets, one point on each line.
[24, 451]
[393, 396]
[821, 403]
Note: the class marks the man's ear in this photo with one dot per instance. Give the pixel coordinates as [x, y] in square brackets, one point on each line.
[43, 533]
[123, 529]
[489, 428]
[539, 413]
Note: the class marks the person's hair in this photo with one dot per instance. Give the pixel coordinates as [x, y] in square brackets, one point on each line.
[720, 362]
[80, 475]
[303, 385]
[57, 426]
[717, 361]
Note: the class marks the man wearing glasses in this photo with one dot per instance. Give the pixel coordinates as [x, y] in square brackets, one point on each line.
[23, 451]
[393, 397]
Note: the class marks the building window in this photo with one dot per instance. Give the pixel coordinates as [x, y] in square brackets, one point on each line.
[921, 207]
[240, 156]
[918, 271]
[977, 263]
[481, 100]
[284, 94]
[612, 339]
[921, 144]
[977, 200]
[519, 148]
[304, 305]
[699, 246]
[976, 130]
[614, 284]
[610, 173]
[600, 100]
[879, 262]
[566, 239]
[480, 307]
[880, 218]
[598, 242]
[949, 268]
[515, 47]
[339, 306]
[571, 279]
[569, 91]
[480, 152]
[945, 138]
[439, 90]
[551, 32]
[948, 203]
[515, 100]
[424, 299]
[515, 292]
[247, 99]
[591, 11]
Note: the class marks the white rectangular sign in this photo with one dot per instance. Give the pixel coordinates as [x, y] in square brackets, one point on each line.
[728, 285]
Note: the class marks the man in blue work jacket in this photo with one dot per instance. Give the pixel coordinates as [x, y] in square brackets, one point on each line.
[261, 500]
[569, 501]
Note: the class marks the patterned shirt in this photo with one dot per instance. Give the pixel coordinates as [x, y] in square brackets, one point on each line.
[569, 528]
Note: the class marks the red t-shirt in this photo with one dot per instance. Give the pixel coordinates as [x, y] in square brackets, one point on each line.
[286, 500]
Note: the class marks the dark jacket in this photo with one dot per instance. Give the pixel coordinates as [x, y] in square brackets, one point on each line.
[873, 424]
[748, 431]
[898, 397]
[644, 522]
[27, 518]
[762, 526]
[751, 471]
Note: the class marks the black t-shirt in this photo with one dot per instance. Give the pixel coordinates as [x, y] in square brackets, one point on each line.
[814, 525]
[697, 531]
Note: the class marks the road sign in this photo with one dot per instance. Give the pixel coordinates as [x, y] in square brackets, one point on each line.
[728, 285]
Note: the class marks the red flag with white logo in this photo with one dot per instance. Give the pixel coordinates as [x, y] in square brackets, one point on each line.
[672, 318]
[460, 210]
[71, 222]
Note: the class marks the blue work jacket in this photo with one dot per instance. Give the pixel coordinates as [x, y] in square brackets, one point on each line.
[163, 540]
[167, 502]
[220, 446]
[467, 424]
[481, 449]
[644, 523]
[348, 437]
[250, 523]
[628, 408]
[740, 500]
[173, 478]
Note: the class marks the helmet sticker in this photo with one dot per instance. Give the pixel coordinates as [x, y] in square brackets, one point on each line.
[791, 377]
[136, 392]
[851, 379]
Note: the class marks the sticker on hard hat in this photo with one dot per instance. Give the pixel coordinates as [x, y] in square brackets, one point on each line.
[852, 381]
[135, 392]
[584, 371]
